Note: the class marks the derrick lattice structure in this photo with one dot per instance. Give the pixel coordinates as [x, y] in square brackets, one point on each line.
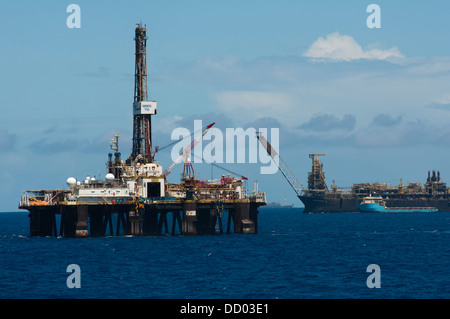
[143, 109]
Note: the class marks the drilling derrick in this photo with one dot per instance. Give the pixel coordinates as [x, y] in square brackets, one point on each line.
[143, 109]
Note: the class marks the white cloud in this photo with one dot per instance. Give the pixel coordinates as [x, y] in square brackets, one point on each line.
[429, 67]
[339, 47]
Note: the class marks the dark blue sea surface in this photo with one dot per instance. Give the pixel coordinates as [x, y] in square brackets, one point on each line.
[294, 255]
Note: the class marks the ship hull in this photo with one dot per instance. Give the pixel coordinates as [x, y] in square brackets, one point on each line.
[323, 204]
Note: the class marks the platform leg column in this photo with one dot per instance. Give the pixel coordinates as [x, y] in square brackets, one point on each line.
[230, 218]
[81, 227]
[253, 215]
[96, 222]
[134, 219]
[190, 218]
[41, 222]
[150, 222]
[242, 222]
[206, 221]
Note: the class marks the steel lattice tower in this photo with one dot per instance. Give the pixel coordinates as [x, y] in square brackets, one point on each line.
[143, 109]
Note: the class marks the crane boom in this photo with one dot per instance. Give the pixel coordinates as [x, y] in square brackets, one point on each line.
[284, 169]
[188, 149]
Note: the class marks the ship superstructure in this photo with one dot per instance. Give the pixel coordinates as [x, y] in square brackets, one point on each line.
[135, 198]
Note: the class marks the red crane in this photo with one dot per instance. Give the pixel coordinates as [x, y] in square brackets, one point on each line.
[187, 151]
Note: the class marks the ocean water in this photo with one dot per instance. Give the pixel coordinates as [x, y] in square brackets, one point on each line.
[294, 255]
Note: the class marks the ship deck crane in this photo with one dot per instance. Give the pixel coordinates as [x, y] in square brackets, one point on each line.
[284, 169]
[188, 149]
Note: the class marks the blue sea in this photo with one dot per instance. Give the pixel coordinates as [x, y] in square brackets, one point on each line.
[294, 255]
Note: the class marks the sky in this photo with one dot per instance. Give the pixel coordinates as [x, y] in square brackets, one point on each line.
[376, 101]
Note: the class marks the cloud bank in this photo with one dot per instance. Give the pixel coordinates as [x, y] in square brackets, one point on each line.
[337, 47]
[385, 120]
[328, 122]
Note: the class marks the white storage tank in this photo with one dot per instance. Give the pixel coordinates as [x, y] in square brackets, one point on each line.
[109, 177]
[71, 181]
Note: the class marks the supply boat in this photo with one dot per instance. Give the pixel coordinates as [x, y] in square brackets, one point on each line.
[377, 204]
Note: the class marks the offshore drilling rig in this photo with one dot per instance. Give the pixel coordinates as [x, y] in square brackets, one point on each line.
[135, 198]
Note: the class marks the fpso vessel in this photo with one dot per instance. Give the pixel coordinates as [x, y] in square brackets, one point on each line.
[317, 198]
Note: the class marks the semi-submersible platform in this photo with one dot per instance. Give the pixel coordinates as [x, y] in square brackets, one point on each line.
[135, 198]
